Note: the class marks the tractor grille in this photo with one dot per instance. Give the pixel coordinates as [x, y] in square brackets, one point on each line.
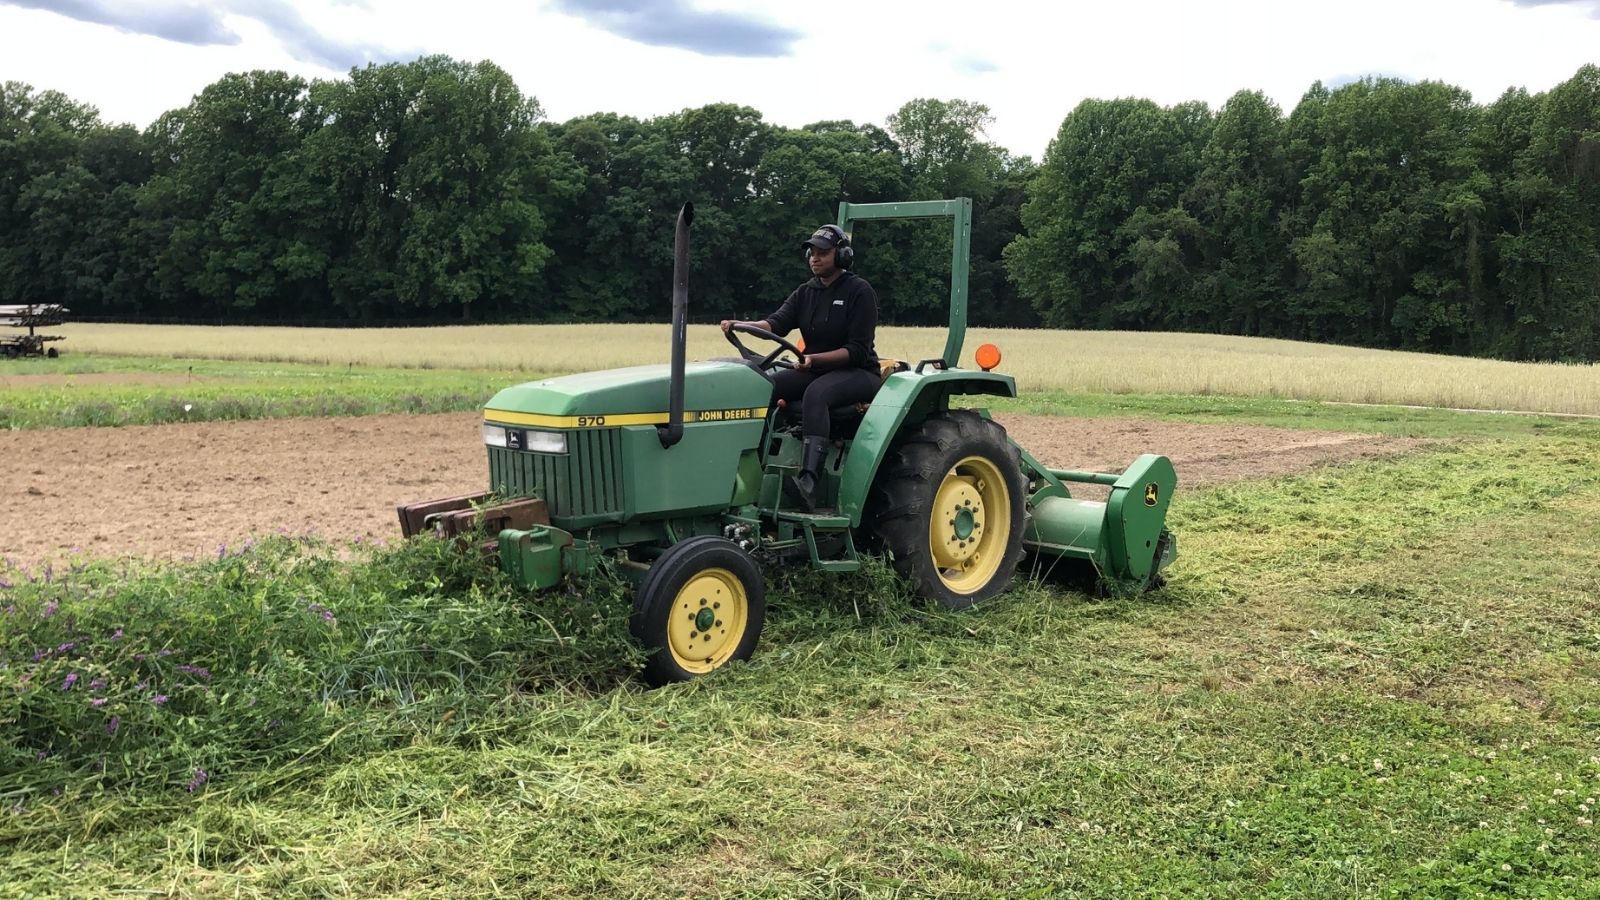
[584, 481]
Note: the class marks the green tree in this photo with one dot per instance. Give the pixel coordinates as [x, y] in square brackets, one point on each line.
[1107, 241]
[228, 170]
[1237, 199]
[41, 138]
[1548, 250]
[434, 175]
[1385, 230]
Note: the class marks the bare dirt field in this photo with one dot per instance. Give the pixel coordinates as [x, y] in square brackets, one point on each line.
[171, 491]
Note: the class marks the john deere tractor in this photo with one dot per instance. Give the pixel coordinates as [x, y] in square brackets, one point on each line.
[671, 474]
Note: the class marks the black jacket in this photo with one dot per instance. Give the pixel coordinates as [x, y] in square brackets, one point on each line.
[843, 314]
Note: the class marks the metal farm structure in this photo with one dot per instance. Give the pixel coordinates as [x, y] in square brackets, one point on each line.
[32, 316]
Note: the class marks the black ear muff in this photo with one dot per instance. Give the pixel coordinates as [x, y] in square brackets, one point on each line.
[843, 253]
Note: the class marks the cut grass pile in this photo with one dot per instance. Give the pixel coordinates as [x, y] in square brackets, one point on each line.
[1080, 362]
[1375, 679]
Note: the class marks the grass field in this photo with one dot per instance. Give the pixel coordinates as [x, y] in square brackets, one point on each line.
[1074, 362]
[1381, 679]
[152, 391]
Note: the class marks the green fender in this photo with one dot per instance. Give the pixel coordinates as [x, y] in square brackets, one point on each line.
[906, 398]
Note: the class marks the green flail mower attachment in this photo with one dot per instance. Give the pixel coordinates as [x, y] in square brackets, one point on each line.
[1118, 546]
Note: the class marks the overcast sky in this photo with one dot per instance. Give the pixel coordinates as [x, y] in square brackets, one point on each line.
[1031, 62]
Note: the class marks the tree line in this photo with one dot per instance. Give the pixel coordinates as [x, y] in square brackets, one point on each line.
[1380, 213]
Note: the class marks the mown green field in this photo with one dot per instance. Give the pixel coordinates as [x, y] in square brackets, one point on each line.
[1375, 679]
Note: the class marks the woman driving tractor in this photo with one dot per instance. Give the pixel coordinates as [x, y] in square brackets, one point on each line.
[837, 314]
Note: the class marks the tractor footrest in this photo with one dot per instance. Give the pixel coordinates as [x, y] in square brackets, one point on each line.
[830, 526]
[824, 521]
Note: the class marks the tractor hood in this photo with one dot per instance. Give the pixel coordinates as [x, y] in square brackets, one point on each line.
[713, 391]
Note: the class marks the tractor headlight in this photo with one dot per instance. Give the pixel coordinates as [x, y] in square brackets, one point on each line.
[520, 439]
[545, 441]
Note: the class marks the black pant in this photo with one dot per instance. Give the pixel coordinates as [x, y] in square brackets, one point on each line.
[819, 392]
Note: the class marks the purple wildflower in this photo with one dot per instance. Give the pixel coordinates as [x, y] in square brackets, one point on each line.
[199, 778]
[64, 648]
[98, 684]
[49, 572]
[142, 685]
[116, 635]
[159, 700]
[69, 681]
[39, 654]
[222, 550]
[98, 701]
[197, 671]
[113, 724]
[50, 608]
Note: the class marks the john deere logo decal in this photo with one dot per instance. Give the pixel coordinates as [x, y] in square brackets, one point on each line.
[1151, 494]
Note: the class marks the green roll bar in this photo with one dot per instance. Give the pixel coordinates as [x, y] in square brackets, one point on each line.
[960, 210]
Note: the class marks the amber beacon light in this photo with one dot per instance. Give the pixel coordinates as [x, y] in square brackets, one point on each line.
[988, 357]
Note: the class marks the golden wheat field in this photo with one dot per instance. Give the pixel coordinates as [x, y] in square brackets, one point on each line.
[1041, 360]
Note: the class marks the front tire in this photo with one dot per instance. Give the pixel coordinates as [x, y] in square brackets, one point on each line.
[951, 506]
[701, 606]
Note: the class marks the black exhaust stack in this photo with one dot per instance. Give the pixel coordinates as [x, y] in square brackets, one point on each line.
[672, 432]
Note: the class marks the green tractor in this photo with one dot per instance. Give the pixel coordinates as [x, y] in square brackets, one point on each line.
[671, 475]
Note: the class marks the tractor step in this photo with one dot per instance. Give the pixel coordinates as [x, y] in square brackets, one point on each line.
[823, 521]
[829, 526]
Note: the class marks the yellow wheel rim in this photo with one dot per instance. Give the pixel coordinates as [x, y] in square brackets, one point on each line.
[707, 621]
[970, 526]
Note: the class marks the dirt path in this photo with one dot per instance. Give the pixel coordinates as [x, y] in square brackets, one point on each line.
[169, 491]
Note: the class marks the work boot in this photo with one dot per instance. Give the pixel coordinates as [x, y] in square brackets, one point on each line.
[802, 487]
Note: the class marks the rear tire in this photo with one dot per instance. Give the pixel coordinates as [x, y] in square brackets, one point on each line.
[951, 506]
[700, 607]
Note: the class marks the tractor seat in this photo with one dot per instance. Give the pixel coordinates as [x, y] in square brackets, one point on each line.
[844, 419]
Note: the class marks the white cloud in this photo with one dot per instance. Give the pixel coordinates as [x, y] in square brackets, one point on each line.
[1031, 63]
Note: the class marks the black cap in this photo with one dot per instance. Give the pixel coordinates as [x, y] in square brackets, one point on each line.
[822, 239]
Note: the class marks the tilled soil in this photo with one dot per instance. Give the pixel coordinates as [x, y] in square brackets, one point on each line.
[172, 491]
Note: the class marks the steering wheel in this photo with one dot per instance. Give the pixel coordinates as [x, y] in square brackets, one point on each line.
[771, 360]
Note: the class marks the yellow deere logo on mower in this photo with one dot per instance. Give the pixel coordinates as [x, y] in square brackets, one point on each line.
[1152, 494]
